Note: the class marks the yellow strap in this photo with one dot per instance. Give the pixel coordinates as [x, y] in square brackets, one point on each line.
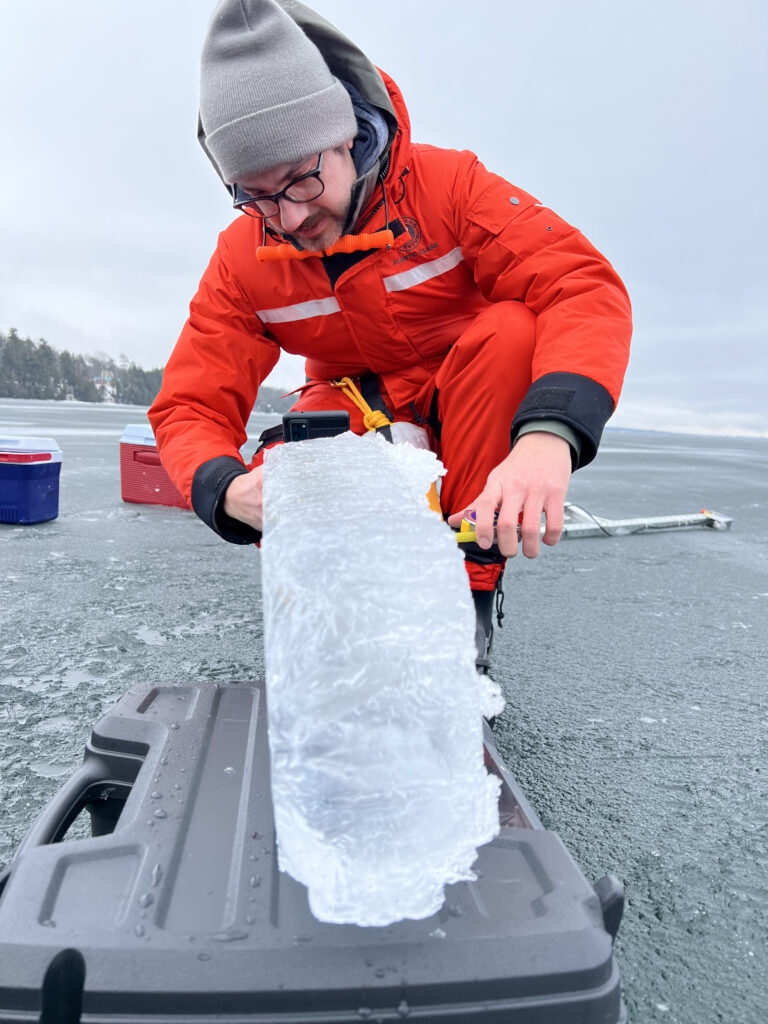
[372, 418]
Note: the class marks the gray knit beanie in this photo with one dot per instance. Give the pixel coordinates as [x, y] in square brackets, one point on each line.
[267, 96]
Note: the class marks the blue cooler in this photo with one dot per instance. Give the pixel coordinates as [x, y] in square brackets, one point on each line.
[29, 479]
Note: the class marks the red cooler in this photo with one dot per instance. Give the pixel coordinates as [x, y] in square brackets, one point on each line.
[142, 477]
[29, 480]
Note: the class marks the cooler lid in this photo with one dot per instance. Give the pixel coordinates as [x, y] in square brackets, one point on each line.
[138, 433]
[180, 912]
[28, 449]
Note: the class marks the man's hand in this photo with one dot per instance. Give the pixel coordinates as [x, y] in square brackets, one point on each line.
[243, 498]
[532, 479]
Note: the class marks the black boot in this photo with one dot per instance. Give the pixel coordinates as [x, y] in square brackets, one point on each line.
[483, 628]
[484, 605]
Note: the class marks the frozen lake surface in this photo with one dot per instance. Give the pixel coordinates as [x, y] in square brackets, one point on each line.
[634, 670]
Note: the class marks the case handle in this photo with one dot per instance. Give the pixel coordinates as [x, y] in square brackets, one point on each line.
[58, 814]
[147, 458]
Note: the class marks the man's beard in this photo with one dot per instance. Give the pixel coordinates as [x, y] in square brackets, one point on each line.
[330, 233]
[332, 224]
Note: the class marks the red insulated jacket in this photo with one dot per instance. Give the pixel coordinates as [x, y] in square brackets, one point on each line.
[465, 238]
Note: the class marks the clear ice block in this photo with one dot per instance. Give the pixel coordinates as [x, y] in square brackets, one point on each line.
[380, 792]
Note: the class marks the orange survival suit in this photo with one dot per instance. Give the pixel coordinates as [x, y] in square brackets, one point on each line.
[488, 316]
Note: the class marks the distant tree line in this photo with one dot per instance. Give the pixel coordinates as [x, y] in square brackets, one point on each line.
[30, 369]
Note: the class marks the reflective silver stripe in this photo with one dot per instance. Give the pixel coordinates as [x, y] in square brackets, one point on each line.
[417, 275]
[300, 311]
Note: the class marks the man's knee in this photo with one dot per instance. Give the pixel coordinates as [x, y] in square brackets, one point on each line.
[502, 334]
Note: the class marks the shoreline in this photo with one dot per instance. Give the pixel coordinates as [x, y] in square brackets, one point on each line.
[698, 430]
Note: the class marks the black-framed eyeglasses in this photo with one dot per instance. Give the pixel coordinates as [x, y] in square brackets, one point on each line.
[303, 189]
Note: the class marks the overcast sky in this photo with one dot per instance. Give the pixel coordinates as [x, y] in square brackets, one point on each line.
[643, 122]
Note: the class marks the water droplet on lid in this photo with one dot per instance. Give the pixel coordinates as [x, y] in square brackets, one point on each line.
[254, 881]
[403, 1009]
[177, 785]
[140, 930]
[163, 760]
[157, 874]
[160, 813]
[156, 796]
[229, 770]
[364, 1012]
[249, 919]
[438, 933]
[203, 956]
[229, 936]
[455, 911]
[174, 725]
[146, 899]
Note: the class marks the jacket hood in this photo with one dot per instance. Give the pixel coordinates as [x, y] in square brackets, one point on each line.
[348, 63]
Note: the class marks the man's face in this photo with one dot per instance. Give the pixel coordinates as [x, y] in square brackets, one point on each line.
[317, 223]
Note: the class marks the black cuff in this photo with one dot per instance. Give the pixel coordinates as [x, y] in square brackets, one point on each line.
[482, 556]
[579, 401]
[208, 486]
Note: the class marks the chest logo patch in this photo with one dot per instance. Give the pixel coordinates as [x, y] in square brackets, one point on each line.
[414, 232]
